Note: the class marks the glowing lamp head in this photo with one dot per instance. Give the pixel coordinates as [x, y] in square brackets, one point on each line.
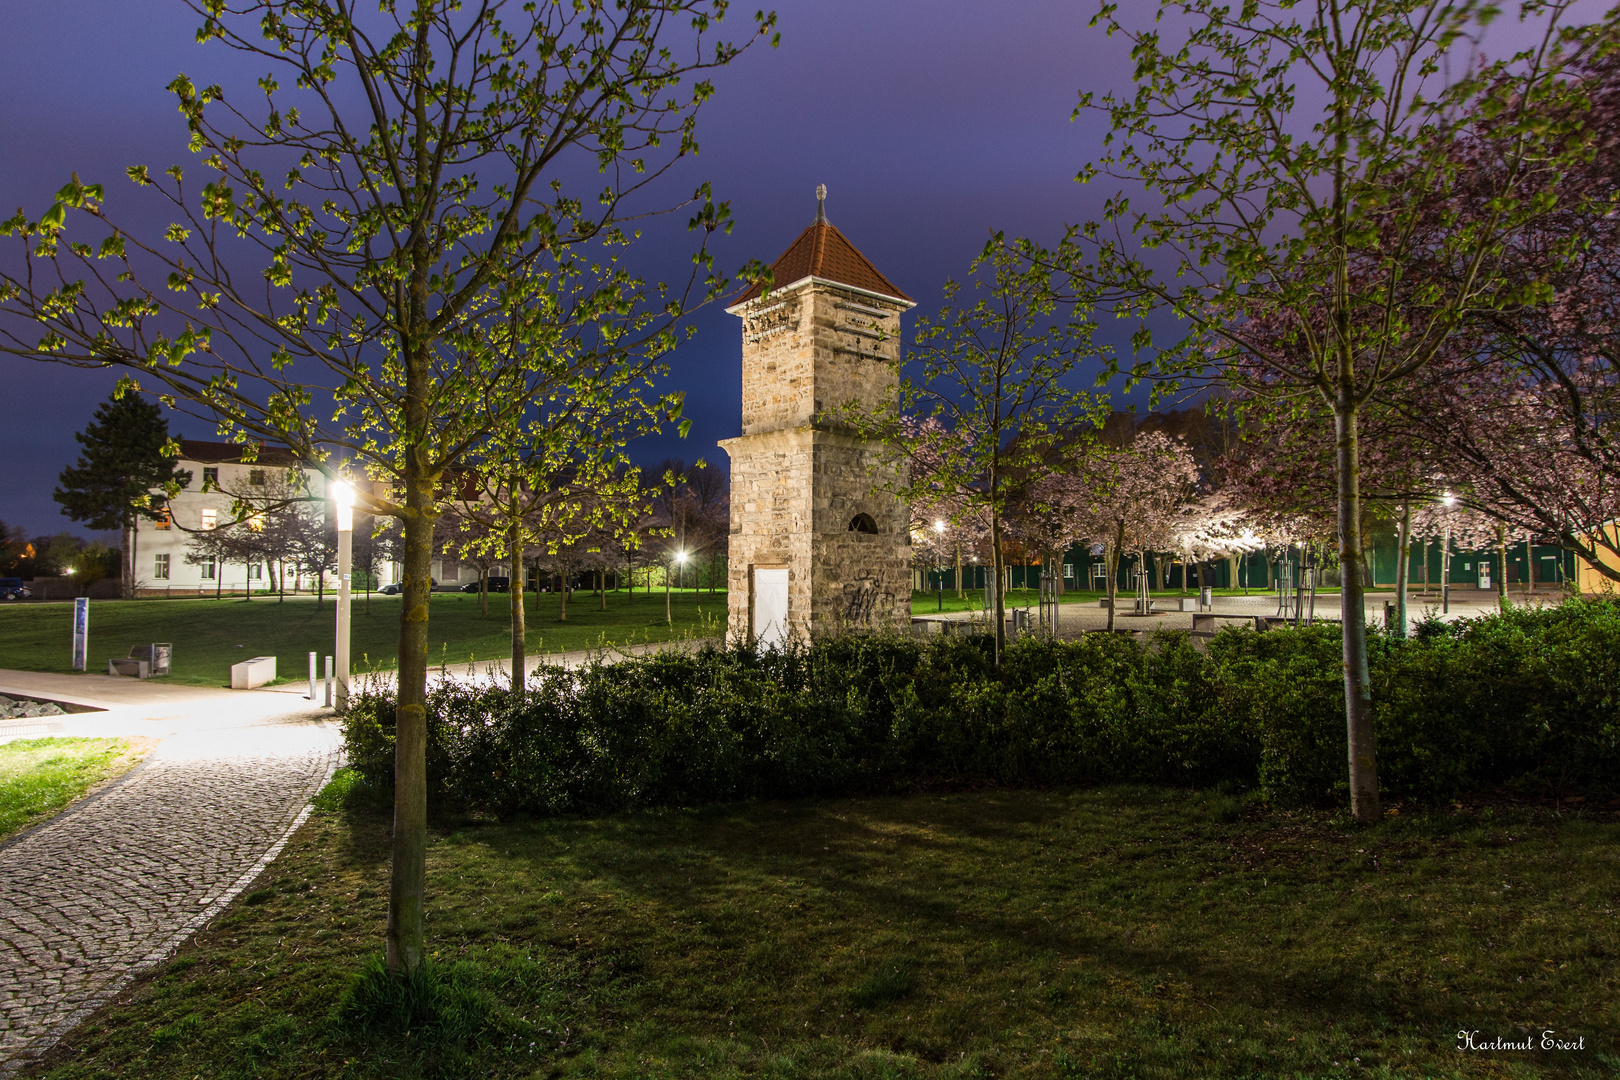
[1449, 499]
[680, 557]
[342, 495]
[939, 526]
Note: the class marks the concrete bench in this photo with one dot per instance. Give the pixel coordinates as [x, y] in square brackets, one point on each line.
[1204, 621]
[143, 661]
[251, 673]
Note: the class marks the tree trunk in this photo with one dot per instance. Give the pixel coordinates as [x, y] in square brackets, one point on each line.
[126, 584]
[562, 594]
[1357, 680]
[1501, 586]
[961, 593]
[667, 619]
[1111, 565]
[1529, 567]
[1000, 591]
[520, 659]
[219, 578]
[1403, 572]
[407, 891]
[320, 586]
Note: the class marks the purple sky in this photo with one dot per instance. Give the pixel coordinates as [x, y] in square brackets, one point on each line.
[931, 122]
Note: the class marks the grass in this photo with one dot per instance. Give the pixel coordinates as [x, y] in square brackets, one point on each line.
[211, 635]
[1118, 933]
[38, 777]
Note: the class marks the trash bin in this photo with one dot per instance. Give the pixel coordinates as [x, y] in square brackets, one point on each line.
[1206, 598]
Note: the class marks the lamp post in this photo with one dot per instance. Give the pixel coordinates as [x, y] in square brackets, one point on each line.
[1445, 557]
[680, 560]
[939, 563]
[342, 494]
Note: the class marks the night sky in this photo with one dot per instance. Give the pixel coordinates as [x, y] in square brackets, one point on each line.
[932, 123]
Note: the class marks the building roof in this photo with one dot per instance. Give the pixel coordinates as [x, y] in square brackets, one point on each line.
[821, 251]
[223, 453]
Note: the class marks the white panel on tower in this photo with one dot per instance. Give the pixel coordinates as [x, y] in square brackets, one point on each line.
[770, 608]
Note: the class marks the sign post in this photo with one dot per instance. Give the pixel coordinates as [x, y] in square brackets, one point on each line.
[81, 632]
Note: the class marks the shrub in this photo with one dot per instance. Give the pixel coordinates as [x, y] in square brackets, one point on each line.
[1525, 698]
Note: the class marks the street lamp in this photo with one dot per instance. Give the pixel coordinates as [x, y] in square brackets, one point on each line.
[342, 494]
[680, 560]
[1449, 500]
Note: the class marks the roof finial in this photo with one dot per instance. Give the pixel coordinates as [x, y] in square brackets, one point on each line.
[821, 204]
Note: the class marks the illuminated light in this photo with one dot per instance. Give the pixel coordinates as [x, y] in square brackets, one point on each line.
[939, 526]
[342, 494]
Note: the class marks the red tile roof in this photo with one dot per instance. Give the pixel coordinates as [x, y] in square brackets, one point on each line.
[822, 251]
[215, 453]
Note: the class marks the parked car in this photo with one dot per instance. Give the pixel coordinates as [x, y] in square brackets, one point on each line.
[395, 588]
[496, 584]
[12, 588]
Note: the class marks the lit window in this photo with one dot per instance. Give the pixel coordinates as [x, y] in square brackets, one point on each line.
[256, 523]
[160, 567]
[163, 521]
[209, 519]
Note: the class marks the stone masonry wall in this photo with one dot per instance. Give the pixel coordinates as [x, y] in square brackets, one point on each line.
[798, 478]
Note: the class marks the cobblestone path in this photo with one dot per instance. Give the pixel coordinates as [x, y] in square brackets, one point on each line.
[91, 898]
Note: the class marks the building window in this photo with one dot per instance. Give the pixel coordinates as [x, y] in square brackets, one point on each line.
[160, 567]
[256, 523]
[256, 477]
[255, 571]
[210, 477]
[162, 521]
[210, 569]
[863, 523]
[209, 518]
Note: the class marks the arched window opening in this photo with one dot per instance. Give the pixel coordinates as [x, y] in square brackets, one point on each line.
[863, 523]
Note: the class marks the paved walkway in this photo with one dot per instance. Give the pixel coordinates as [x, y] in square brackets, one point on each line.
[1079, 616]
[114, 885]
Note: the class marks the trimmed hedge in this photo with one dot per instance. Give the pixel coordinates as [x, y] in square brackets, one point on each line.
[1527, 698]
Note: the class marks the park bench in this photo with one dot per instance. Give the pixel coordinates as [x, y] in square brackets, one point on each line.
[143, 661]
[1204, 621]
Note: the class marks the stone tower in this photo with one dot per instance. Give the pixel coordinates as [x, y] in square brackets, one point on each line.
[817, 544]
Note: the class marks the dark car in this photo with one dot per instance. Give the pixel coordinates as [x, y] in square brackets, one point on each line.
[395, 588]
[12, 588]
[496, 584]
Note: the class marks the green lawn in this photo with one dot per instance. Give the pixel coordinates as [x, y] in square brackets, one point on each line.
[1117, 933]
[40, 776]
[211, 635]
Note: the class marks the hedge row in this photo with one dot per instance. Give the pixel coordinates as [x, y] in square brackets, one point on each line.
[1527, 699]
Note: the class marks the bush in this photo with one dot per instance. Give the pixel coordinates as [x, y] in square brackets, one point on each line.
[1525, 698]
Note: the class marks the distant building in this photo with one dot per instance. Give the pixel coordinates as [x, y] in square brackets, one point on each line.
[218, 477]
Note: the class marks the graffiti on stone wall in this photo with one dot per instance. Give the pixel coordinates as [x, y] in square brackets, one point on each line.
[865, 603]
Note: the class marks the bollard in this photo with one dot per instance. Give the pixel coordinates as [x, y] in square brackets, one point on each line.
[328, 682]
[312, 675]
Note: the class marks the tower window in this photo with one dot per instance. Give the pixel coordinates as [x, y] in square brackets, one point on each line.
[863, 523]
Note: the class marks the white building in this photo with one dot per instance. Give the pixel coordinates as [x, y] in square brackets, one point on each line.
[218, 476]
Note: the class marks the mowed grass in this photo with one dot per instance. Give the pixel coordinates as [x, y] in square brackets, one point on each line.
[1119, 933]
[38, 777]
[211, 635]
